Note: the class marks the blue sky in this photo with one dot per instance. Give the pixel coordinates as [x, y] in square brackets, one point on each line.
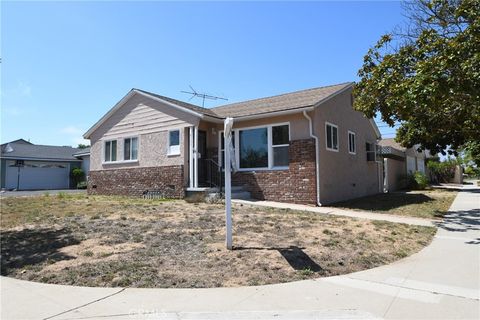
[65, 64]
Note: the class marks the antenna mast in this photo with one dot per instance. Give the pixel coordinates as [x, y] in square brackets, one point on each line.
[203, 96]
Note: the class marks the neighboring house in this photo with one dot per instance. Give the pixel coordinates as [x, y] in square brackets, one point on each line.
[308, 147]
[84, 155]
[399, 162]
[27, 166]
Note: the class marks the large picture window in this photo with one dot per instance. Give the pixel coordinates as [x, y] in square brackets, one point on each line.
[259, 147]
[110, 151]
[331, 135]
[253, 148]
[130, 149]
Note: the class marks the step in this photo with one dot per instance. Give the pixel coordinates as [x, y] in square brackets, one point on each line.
[242, 195]
[238, 188]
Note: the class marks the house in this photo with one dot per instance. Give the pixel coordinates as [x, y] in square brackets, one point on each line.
[308, 146]
[399, 162]
[27, 166]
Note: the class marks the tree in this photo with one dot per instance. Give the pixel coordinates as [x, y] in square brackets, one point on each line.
[82, 146]
[426, 76]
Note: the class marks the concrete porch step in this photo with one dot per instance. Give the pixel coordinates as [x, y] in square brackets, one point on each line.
[241, 195]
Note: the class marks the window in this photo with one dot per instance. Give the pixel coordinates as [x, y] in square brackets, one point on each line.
[174, 142]
[280, 141]
[130, 149]
[111, 151]
[253, 148]
[370, 151]
[259, 148]
[352, 148]
[331, 136]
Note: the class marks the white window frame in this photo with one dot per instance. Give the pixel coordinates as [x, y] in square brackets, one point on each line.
[104, 149]
[174, 150]
[138, 149]
[270, 146]
[326, 137]
[374, 145]
[351, 133]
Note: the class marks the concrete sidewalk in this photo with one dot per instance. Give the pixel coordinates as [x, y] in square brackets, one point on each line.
[440, 282]
[339, 212]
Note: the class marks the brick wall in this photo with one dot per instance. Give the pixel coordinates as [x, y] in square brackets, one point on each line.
[134, 181]
[295, 185]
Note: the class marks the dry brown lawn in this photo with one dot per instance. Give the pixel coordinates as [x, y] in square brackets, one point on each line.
[119, 241]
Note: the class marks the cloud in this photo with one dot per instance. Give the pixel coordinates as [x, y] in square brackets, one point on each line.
[24, 89]
[75, 134]
[16, 111]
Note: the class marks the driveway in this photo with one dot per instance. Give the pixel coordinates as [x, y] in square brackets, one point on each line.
[33, 193]
[440, 282]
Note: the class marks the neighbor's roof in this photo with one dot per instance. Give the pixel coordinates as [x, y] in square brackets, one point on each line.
[19, 150]
[283, 102]
[82, 152]
[390, 142]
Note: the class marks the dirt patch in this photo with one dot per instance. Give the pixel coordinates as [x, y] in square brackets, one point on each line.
[115, 241]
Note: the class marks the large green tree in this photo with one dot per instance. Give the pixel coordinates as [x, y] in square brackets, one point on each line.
[426, 76]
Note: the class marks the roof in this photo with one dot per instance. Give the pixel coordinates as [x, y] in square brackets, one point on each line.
[82, 152]
[20, 150]
[390, 142]
[289, 102]
[282, 102]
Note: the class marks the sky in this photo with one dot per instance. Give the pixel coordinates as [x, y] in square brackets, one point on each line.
[65, 64]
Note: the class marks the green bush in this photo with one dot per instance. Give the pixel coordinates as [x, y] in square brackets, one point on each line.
[416, 181]
[77, 175]
[441, 171]
[82, 185]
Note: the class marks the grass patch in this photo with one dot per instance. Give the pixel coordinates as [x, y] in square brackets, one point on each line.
[119, 241]
[429, 204]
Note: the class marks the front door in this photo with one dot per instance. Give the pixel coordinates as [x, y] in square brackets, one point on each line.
[202, 157]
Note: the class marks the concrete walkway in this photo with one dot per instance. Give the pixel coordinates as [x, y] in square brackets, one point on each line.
[440, 282]
[339, 212]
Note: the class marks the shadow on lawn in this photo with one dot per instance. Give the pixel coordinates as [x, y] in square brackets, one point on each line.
[294, 255]
[33, 246]
[384, 202]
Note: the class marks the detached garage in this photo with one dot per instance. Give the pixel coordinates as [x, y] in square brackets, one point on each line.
[26, 166]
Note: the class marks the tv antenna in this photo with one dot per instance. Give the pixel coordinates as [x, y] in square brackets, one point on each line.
[203, 96]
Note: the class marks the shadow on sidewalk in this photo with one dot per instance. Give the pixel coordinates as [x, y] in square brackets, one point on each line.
[460, 221]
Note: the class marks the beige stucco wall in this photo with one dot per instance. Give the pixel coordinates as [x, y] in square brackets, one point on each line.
[343, 175]
[396, 171]
[148, 120]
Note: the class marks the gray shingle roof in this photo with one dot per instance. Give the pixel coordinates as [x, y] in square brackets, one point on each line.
[33, 151]
[282, 102]
[390, 142]
[184, 104]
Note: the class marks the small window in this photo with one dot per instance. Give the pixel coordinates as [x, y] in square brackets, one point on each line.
[130, 149]
[280, 142]
[370, 151]
[331, 136]
[174, 142]
[352, 148]
[111, 151]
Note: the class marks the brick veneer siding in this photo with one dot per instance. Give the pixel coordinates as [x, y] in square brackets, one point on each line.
[134, 181]
[295, 185]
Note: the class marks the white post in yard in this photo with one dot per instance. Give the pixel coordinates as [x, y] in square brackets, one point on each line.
[228, 185]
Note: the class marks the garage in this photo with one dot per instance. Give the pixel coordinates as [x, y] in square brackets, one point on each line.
[35, 175]
[27, 166]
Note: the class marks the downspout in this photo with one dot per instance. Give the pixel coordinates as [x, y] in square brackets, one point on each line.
[317, 160]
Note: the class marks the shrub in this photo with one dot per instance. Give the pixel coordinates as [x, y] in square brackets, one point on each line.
[441, 171]
[82, 185]
[416, 181]
[77, 175]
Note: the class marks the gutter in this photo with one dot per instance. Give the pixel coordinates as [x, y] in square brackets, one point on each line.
[317, 158]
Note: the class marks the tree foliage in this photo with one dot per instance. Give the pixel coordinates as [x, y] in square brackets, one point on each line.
[427, 76]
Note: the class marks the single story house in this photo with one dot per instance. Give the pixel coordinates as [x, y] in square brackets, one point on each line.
[308, 146]
[28, 166]
[399, 162]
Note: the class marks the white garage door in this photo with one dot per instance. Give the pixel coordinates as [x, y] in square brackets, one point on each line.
[37, 175]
